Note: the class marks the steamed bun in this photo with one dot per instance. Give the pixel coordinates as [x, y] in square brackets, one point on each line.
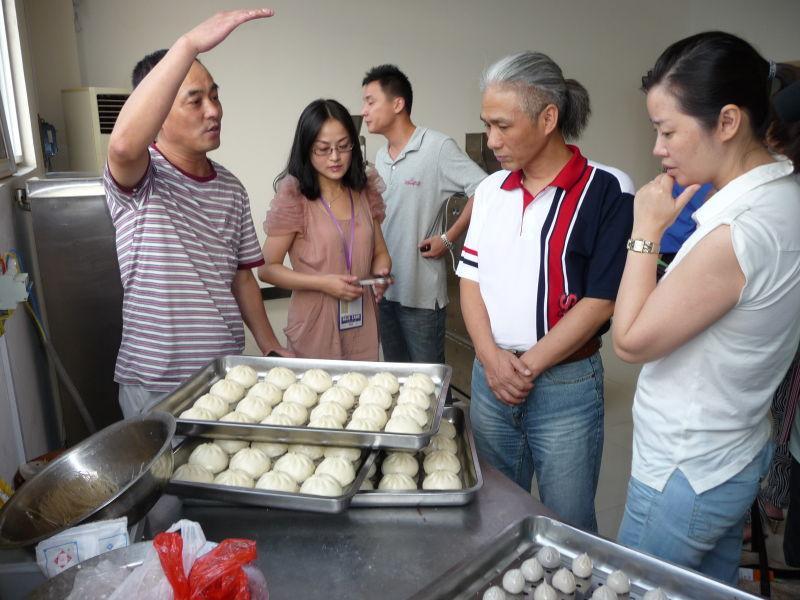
[243, 375]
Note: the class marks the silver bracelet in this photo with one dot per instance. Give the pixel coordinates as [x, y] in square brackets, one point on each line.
[447, 243]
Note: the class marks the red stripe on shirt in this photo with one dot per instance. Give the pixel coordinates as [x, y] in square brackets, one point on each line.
[251, 265]
[557, 245]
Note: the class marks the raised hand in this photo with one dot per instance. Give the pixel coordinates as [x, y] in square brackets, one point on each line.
[212, 31]
[654, 208]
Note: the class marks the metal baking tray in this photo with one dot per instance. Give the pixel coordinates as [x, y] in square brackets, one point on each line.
[471, 477]
[184, 396]
[472, 577]
[264, 498]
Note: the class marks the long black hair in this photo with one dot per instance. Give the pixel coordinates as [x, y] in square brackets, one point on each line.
[708, 70]
[309, 125]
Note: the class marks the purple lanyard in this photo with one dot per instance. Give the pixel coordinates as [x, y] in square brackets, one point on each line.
[348, 248]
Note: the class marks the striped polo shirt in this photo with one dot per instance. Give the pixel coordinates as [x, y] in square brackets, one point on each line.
[535, 257]
[180, 240]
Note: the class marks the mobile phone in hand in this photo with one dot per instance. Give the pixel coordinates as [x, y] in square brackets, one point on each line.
[425, 248]
[376, 280]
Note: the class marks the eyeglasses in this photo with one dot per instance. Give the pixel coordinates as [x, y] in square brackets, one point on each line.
[341, 149]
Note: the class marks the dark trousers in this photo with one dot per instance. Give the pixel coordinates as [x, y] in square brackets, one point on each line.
[412, 334]
[791, 535]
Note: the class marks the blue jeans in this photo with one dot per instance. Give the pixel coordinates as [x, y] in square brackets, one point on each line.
[412, 334]
[556, 434]
[699, 531]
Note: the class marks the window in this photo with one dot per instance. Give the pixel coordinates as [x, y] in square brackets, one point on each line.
[10, 143]
[9, 102]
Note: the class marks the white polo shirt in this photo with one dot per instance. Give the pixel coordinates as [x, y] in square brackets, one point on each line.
[704, 408]
[536, 257]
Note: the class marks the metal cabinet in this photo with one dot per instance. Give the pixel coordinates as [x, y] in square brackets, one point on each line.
[80, 292]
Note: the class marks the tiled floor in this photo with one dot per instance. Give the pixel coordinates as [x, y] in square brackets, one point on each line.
[620, 382]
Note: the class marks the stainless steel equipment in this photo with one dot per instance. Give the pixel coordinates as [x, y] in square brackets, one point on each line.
[79, 291]
[199, 384]
[134, 455]
[471, 476]
[265, 498]
[471, 577]
[459, 350]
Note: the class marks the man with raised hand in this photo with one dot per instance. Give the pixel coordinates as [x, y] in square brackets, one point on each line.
[184, 233]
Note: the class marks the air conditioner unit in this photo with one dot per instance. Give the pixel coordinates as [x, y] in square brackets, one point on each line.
[89, 115]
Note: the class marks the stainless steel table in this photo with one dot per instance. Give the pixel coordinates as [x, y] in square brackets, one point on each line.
[362, 553]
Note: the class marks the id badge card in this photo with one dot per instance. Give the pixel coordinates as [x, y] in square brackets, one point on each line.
[351, 313]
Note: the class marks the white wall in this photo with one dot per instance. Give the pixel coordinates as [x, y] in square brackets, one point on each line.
[54, 63]
[269, 71]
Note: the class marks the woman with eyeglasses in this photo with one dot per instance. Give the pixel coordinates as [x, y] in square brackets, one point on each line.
[326, 215]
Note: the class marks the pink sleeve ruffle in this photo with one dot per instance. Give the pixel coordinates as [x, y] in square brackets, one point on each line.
[286, 213]
[375, 187]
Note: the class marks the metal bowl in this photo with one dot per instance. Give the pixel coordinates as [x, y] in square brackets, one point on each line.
[135, 455]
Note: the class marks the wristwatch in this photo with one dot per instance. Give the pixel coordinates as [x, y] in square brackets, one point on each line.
[447, 243]
[642, 246]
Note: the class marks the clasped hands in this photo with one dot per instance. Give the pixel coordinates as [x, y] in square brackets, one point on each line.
[510, 378]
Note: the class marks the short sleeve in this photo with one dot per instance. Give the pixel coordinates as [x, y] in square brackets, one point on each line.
[758, 255]
[286, 213]
[249, 255]
[121, 198]
[459, 174]
[374, 190]
[608, 258]
[468, 262]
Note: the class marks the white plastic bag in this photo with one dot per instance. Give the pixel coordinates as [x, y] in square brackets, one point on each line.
[74, 545]
[98, 582]
[148, 579]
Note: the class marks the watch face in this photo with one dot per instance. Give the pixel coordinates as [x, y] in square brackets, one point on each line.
[642, 246]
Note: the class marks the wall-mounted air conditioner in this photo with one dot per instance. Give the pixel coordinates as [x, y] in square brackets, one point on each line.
[89, 115]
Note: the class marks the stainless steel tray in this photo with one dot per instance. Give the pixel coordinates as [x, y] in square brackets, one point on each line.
[520, 541]
[184, 396]
[264, 498]
[471, 476]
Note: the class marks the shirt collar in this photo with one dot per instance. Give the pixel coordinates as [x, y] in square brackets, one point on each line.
[412, 145]
[728, 195]
[566, 178]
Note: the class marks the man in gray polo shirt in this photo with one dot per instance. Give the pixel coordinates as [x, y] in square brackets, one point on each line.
[422, 168]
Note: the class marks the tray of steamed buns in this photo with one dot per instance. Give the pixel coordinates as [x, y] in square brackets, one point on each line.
[317, 402]
[270, 474]
[539, 558]
[444, 473]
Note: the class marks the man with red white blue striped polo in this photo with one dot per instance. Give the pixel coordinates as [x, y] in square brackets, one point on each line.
[539, 271]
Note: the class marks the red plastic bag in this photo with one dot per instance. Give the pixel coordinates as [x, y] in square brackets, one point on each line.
[170, 552]
[218, 575]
